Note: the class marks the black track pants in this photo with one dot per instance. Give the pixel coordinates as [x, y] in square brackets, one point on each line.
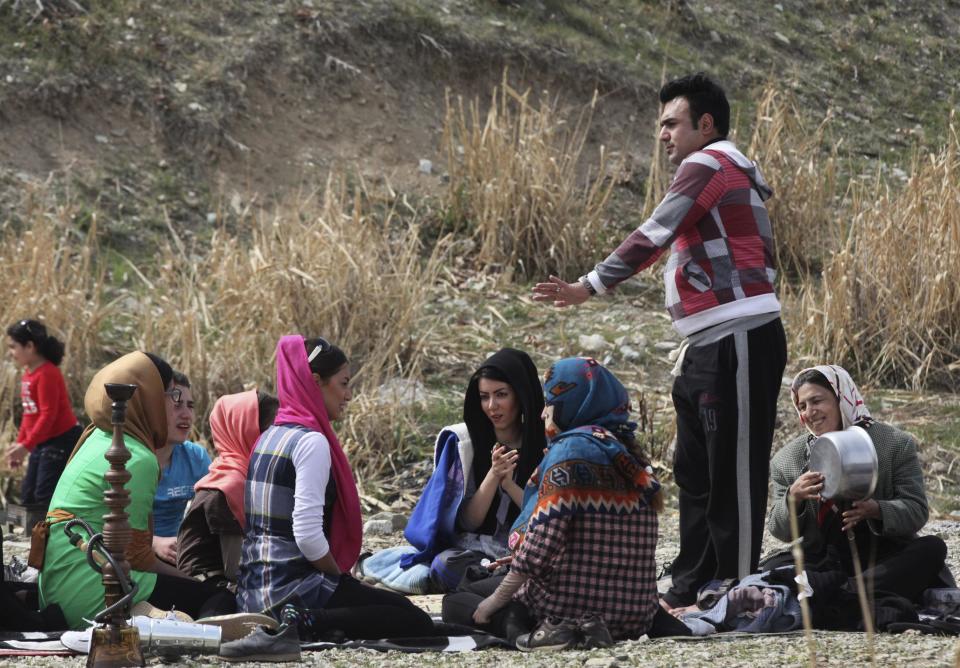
[726, 405]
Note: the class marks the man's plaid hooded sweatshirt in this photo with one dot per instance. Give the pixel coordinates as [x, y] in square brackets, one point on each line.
[714, 220]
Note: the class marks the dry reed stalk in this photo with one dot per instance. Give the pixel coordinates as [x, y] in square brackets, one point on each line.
[52, 277]
[803, 178]
[797, 552]
[658, 181]
[326, 265]
[862, 597]
[889, 302]
[515, 184]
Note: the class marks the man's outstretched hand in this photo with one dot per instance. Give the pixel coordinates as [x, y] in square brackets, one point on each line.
[560, 292]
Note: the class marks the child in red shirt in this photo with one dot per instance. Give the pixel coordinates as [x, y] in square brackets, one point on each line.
[49, 429]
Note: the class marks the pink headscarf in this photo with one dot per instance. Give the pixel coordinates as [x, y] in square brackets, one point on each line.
[852, 407]
[302, 403]
[234, 423]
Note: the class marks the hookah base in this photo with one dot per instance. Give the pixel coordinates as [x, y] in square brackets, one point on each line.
[112, 647]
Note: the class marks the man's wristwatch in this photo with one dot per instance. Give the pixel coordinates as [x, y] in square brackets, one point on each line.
[585, 282]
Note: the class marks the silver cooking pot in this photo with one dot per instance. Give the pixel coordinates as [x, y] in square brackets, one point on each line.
[848, 462]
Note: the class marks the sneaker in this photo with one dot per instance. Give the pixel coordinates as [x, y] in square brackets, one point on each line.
[551, 635]
[594, 631]
[146, 609]
[263, 644]
[239, 624]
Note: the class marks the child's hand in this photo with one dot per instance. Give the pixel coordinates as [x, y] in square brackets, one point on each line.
[15, 455]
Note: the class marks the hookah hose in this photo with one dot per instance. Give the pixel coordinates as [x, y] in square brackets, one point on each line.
[97, 557]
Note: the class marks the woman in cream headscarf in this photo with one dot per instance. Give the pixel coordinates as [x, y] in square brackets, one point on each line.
[66, 578]
[886, 524]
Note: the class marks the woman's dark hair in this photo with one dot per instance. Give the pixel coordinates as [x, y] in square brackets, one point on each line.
[814, 377]
[164, 369]
[181, 379]
[490, 373]
[516, 369]
[328, 360]
[267, 407]
[30, 331]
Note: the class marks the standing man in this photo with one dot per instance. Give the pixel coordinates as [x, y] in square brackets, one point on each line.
[719, 292]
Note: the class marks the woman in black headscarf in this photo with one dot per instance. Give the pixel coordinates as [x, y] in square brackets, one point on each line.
[466, 509]
[501, 409]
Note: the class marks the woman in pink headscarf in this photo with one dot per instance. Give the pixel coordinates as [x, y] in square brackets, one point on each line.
[302, 509]
[212, 530]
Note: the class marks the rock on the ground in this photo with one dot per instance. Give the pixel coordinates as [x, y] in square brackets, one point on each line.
[592, 342]
[385, 523]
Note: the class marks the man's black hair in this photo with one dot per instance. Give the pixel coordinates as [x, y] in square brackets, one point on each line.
[704, 96]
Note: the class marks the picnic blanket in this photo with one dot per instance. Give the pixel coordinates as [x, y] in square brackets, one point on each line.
[32, 643]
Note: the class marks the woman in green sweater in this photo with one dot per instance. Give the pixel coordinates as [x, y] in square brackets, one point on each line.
[66, 578]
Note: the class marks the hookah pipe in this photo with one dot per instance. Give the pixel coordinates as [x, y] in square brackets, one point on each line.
[97, 557]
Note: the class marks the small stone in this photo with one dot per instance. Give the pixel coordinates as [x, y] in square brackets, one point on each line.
[664, 345]
[601, 662]
[780, 37]
[715, 37]
[426, 167]
[385, 523]
[211, 217]
[180, 87]
[102, 139]
[592, 342]
[629, 354]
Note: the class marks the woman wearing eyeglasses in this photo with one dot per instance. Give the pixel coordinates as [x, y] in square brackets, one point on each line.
[182, 464]
[302, 509]
[66, 578]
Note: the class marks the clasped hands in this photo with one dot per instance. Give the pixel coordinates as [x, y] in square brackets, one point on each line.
[808, 487]
[503, 464]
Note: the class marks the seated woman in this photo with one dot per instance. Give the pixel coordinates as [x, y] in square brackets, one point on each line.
[583, 568]
[474, 495]
[66, 578]
[885, 525]
[303, 512]
[182, 464]
[212, 530]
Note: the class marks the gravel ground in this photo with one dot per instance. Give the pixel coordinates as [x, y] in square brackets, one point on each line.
[833, 649]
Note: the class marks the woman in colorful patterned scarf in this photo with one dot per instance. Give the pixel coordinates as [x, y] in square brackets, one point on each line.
[302, 510]
[583, 564]
[885, 525]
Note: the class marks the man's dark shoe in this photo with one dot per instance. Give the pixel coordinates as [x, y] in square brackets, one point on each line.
[263, 644]
[594, 631]
[551, 635]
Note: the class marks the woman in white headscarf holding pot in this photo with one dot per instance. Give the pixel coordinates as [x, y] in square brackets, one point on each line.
[885, 524]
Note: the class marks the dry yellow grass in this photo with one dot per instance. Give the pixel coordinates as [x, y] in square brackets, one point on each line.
[515, 182]
[51, 275]
[324, 265]
[888, 305]
[331, 263]
[804, 180]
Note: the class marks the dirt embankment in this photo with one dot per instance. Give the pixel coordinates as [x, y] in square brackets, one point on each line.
[299, 102]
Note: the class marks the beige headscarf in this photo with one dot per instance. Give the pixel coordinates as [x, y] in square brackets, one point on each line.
[853, 410]
[146, 418]
[146, 421]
